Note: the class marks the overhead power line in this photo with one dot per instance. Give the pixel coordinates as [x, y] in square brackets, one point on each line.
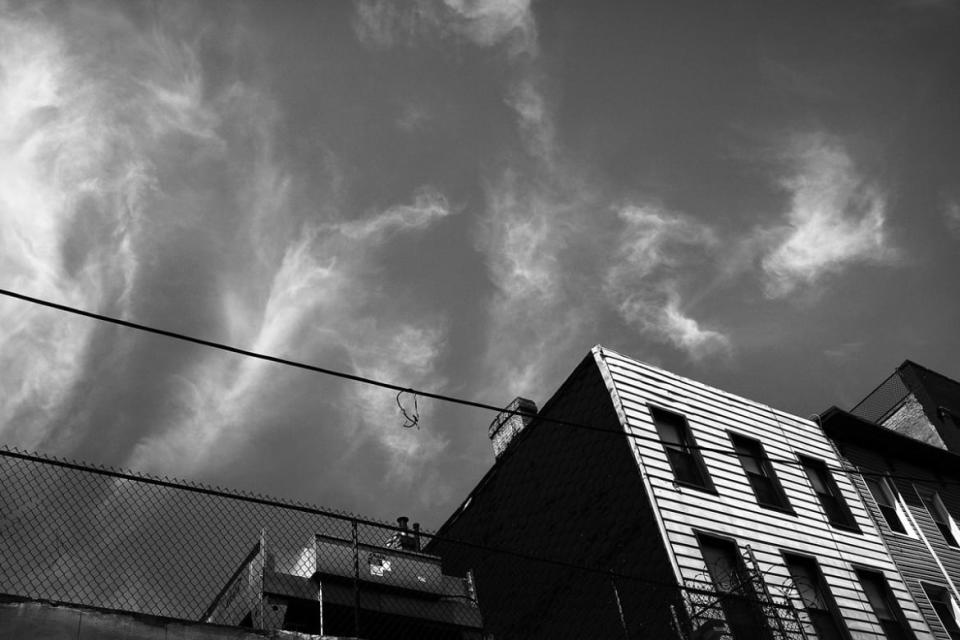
[410, 390]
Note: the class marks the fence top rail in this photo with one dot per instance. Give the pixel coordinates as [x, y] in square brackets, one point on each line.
[193, 487]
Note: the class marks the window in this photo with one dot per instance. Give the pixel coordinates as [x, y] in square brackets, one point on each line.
[759, 472]
[738, 599]
[942, 517]
[884, 604]
[816, 597]
[888, 500]
[829, 494]
[945, 607]
[685, 460]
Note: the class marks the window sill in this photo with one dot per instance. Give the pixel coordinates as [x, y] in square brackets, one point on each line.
[773, 507]
[851, 528]
[680, 484]
[902, 535]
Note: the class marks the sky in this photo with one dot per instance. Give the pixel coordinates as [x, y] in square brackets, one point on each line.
[462, 197]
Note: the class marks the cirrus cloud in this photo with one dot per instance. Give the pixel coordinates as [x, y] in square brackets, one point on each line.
[655, 248]
[384, 24]
[837, 218]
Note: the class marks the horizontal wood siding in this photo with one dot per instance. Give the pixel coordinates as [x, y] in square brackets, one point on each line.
[733, 510]
[917, 561]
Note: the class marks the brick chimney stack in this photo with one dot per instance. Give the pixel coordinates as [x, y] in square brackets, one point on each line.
[507, 425]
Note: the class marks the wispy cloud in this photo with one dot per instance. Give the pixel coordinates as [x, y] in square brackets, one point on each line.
[837, 218]
[428, 206]
[70, 202]
[844, 352]
[133, 187]
[529, 237]
[655, 249]
[384, 24]
[535, 118]
[315, 304]
[951, 217]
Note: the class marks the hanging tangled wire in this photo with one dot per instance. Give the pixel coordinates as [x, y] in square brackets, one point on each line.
[410, 420]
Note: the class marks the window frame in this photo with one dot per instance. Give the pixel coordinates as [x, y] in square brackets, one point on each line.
[818, 465]
[742, 598]
[825, 593]
[769, 473]
[927, 587]
[890, 599]
[931, 498]
[895, 504]
[688, 447]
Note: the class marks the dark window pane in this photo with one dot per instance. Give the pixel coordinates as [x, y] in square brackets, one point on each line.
[749, 457]
[759, 472]
[892, 518]
[670, 433]
[766, 491]
[685, 467]
[941, 517]
[737, 599]
[816, 597]
[685, 460]
[828, 493]
[825, 624]
[884, 605]
[942, 604]
[947, 533]
[886, 500]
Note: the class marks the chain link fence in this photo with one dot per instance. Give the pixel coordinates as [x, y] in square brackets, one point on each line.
[884, 400]
[101, 538]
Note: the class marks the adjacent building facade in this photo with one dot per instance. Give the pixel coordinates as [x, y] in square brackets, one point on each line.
[907, 470]
[916, 402]
[641, 504]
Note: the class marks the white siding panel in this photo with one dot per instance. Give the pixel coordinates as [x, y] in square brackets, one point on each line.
[733, 511]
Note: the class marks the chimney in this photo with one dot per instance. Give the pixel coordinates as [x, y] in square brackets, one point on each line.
[507, 425]
[403, 538]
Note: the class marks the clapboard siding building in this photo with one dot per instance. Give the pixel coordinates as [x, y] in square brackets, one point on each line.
[693, 508]
[912, 491]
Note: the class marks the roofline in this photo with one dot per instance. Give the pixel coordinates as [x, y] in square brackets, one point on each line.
[843, 426]
[507, 453]
[909, 362]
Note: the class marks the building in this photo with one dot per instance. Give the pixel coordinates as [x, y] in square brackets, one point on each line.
[640, 504]
[343, 587]
[917, 402]
[908, 474]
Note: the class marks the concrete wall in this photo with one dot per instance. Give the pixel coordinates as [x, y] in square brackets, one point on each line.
[39, 621]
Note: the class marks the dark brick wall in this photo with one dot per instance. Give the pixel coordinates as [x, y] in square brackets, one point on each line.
[934, 390]
[574, 496]
[911, 420]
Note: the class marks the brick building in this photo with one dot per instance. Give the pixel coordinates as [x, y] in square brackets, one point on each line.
[673, 509]
[917, 402]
